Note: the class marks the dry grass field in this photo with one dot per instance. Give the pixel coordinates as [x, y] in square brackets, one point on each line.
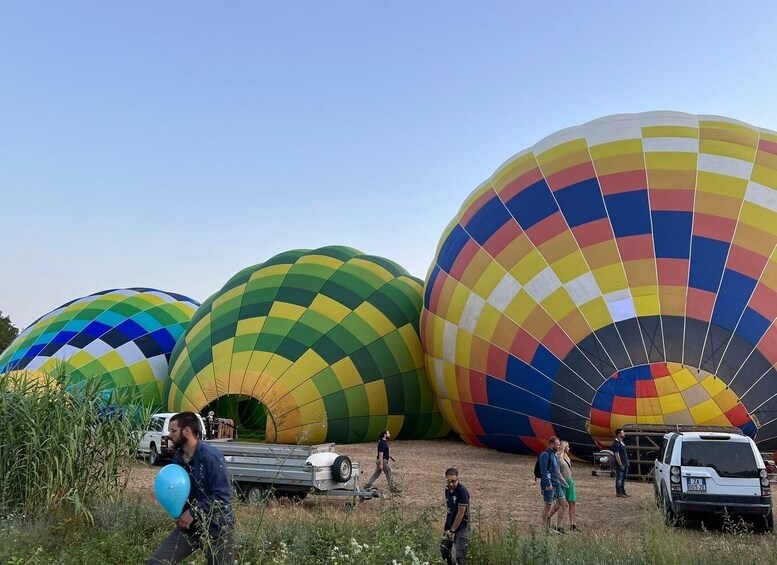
[501, 485]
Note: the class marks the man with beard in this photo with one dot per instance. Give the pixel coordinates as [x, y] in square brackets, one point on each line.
[207, 521]
[456, 536]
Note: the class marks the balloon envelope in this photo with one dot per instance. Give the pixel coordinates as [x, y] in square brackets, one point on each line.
[619, 272]
[171, 488]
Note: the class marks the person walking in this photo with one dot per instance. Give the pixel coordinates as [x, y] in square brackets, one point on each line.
[550, 486]
[456, 533]
[565, 468]
[207, 521]
[383, 463]
[621, 463]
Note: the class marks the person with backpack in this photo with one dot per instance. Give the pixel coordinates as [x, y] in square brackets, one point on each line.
[551, 482]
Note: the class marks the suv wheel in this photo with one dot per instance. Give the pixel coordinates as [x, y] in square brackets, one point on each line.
[764, 524]
[153, 456]
[670, 516]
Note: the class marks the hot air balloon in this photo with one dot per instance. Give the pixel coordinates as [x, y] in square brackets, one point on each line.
[310, 346]
[123, 337]
[621, 271]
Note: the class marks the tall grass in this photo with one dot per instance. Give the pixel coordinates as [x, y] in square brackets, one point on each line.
[128, 531]
[63, 450]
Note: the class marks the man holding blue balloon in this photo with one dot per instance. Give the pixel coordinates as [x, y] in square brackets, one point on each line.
[204, 516]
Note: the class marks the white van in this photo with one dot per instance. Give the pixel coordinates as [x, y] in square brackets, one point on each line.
[711, 474]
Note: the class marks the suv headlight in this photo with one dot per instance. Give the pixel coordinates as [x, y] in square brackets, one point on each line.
[675, 478]
[763, 473]
[764, 482]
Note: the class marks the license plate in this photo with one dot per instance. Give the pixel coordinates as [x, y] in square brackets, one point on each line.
[697, 485]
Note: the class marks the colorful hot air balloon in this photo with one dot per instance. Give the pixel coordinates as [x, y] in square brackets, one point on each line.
[622, 271]
[124, 337]
[310, 346]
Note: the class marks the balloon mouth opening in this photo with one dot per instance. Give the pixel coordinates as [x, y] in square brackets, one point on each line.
[665, 393]
[251, 417]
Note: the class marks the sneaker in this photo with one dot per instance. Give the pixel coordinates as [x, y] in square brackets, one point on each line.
[619, 494]
[624, 495]
[574, 528]
[553, 531]
[559, 530]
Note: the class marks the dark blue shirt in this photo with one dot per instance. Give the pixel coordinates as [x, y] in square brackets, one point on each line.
[210, 496]
[620, 449]
[383, 448]
[459, 495]
[549, 469]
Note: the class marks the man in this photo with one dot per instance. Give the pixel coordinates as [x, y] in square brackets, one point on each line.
[207, 521]
[382, 463]
[456, 535]
[621, 463]
[550, 485]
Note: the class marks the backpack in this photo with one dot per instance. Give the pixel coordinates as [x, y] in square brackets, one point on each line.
[537, 472]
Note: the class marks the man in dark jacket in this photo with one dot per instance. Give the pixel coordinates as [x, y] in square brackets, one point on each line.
[207, 521]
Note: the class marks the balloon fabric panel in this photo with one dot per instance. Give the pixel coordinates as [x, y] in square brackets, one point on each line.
[629, 244]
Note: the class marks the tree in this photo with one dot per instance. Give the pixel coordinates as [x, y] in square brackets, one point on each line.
[8, 331]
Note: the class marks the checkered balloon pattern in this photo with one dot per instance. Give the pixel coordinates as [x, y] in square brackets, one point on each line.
[123, 337]
[310, 346]
[618, 272]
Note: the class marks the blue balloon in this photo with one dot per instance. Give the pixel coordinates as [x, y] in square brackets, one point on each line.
[171, 488]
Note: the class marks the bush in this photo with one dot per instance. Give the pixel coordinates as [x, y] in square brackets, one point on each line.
[63, 450]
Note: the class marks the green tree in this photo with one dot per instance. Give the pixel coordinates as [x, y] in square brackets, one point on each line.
[8, 331]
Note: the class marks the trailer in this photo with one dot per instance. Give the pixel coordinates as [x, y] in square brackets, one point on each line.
[261, 471]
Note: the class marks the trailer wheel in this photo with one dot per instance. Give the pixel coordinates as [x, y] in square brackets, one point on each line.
[255, 494]
[342, 468]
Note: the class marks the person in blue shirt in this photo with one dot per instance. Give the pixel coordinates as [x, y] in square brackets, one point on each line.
[207, 521]
[621, 463]
[383, 463]
[550, 485]
[456, 535]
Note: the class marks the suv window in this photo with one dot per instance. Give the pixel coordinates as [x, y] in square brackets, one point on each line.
[662, 452]
[155, 425]
[729, 459]
[668, 454]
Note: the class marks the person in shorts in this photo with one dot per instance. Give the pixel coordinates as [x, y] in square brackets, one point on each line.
[565, 468]
[550, 486]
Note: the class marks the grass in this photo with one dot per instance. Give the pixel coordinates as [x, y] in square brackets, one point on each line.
[62, 450]
[128, 531]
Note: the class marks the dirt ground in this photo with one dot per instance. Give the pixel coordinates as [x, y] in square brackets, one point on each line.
[501, 485]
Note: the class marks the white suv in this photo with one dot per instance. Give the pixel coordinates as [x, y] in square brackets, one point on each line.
[156, 442]
[709, 473]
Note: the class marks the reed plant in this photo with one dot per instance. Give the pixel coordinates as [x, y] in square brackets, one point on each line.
[63, 448]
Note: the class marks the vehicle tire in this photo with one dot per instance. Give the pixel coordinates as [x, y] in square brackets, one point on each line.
[342, 469]
[764, 524]
[154, 458]
[254, 494]
[670, 517]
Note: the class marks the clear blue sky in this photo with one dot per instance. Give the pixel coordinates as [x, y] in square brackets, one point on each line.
[170, 144]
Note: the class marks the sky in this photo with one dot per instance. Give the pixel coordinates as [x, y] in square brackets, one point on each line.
[171, 144]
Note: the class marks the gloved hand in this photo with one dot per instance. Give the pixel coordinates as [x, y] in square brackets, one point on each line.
[450, 535]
